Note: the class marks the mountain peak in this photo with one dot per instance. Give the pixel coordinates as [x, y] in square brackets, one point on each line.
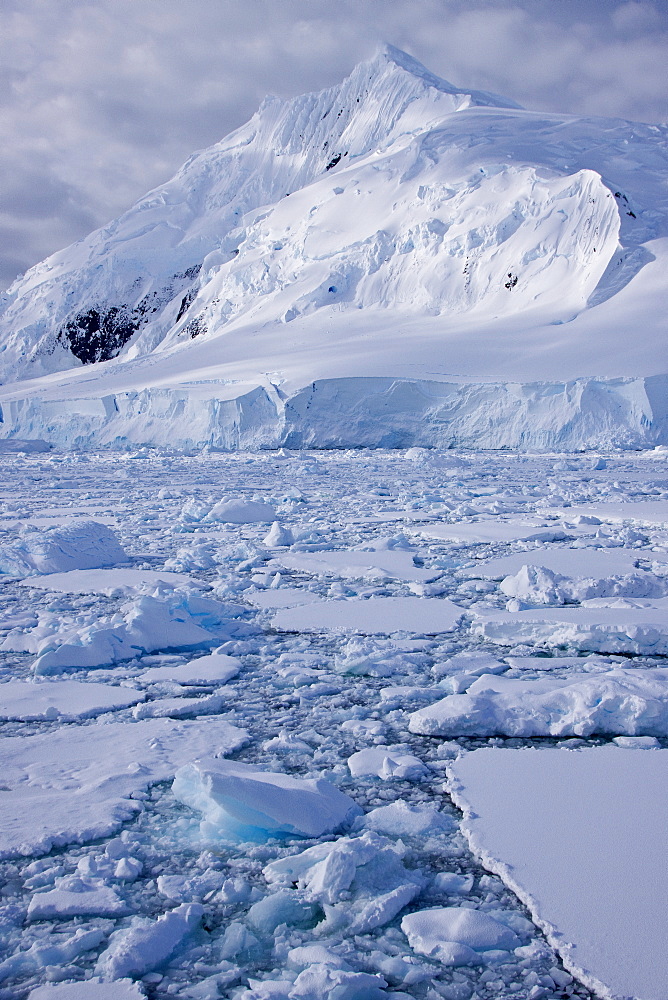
[390, 54]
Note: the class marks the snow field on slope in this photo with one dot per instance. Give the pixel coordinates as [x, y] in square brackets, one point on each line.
[455, 270]
[100, 846]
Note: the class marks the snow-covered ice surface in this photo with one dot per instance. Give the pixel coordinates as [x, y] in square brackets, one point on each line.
[276, 665]
[392, 261]
[592, 824]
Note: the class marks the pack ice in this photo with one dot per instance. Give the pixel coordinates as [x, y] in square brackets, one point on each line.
[471, 272]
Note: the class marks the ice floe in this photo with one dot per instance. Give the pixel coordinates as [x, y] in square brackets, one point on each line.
[80, 545]
[381, 615]
[626, 629]
[618, 702]
[176, 620]
[213, 668]
[386, 762]
[89, 989]
[479, 532]
[241, 801]
[355, 564]
[241, 512]
[577, 835]
[74, 784]
[109, 581]
[63, 699]
[147, 944]
[457, 935]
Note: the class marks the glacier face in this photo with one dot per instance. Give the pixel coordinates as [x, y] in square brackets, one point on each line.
[501, 272]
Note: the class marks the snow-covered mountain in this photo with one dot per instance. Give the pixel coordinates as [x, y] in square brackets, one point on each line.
[390, 261]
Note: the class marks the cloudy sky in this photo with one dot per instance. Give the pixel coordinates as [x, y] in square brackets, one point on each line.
[102, 100]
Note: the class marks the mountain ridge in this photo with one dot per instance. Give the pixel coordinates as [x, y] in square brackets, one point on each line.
[392, 226]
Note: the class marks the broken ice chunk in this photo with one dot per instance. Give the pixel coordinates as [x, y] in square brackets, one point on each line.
[75, 896]
[324, 981]
[81, 545]
[386, 763]
[241, 512]
[215, 668]
[455, 934]
[243, 802]
[147, 944]
[399, 819]
[620, 701]
[283, 907]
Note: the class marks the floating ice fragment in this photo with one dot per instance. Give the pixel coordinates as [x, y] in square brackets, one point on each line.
[76, 896]
[241, 512]
[110, 581]
[592, 883]
[147, 944]
[65, 700]
[214, 668]
[400, 819]
[81, 545]
[621, 701]
[452, 883]
[386, 763]
[89, 989]
[384, 615]
[244, 802]
[643, 631]
[80, 783]
[454, 934]
[179, 620]
[283, 907]
[278, 535]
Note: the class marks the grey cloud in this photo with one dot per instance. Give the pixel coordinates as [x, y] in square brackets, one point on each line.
[103, 99]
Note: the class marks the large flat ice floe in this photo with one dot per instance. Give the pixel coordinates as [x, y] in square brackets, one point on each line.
[581, 837]
[377, 615]
[75, 784]
[65, 700]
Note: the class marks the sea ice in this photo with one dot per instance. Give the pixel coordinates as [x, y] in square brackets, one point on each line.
[281, 597]
[377, 615]
[89, 989]
[178, 620]
[639, 630]
[65, 700]
[241, 512]
[578, 836]
[400, 819]
[244, 802]
[81, 545]
[386, 763]
[109, 581]
[455, 935]
[478, 532]
[77, 783]
[359, 563]
[74, 895]
[147, 944]
[214, 668]
[631, 702]
[359, 881]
